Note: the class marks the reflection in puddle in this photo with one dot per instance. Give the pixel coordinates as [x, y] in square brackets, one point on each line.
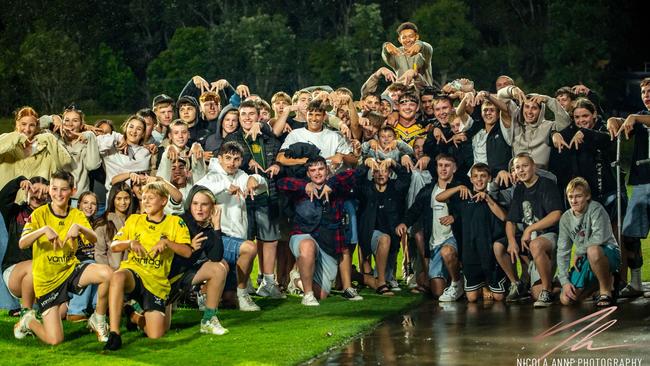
[492, 334]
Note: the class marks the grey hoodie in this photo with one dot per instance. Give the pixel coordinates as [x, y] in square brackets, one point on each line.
[532, 138]
[591, 228]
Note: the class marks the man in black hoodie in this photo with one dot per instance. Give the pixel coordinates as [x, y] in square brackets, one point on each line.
[206, 265]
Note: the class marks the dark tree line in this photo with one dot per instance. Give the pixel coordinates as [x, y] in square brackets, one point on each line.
[112, 56]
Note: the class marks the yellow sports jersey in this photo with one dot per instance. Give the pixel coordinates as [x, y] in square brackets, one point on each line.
[153, 271]
[408, 134]
[52, 267]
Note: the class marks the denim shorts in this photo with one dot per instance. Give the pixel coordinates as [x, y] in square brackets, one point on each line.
[437, 268]
[231, 254]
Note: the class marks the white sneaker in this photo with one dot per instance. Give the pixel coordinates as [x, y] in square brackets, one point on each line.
[246, 303]
[411, 281]
[249, 287]
[270, 290]
[309, 299]
[394, 286]
[452, 293]
[21, 329]
[99, 326]
[294, 276]
[213, 326]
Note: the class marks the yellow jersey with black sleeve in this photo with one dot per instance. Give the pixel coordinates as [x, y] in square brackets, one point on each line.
[153, 271]
[51, 267]
[408, 134]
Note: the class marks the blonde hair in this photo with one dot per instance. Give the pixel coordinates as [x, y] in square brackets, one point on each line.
[157, 188]
[26, 111]
[578, 182]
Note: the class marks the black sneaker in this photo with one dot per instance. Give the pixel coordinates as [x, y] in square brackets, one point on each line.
[114, 342]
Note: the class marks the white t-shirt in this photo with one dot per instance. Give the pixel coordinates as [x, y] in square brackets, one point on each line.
[439, 233]
[328, 141]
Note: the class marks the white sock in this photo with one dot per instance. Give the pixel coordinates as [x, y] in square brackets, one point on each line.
[241, 292]
[635, 278]
[269, 279]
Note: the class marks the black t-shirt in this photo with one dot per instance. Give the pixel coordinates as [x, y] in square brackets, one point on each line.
[531, 204]
[381, 218]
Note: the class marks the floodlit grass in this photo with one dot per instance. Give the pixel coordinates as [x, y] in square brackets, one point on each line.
[284, 333]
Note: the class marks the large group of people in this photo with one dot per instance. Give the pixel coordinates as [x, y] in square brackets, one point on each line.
[485, 192]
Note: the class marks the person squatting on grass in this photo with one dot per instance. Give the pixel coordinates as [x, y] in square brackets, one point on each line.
[279, 178]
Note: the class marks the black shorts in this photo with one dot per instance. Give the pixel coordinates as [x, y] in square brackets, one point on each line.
[147, 300]
[61, 294]
[183, 284]
[476, 277]
[522, 251]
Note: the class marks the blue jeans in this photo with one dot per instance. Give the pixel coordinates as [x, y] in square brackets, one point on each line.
[351, 231]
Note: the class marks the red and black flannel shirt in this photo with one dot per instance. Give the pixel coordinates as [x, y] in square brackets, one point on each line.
[341, 185]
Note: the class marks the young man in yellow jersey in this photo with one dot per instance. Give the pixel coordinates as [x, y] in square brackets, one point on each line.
[152, 239]
[54, 231]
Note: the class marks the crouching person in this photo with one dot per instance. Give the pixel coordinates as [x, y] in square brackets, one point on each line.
[152, 240]
[206, 265]
[54, 231]
[587, 226]
[317, 239]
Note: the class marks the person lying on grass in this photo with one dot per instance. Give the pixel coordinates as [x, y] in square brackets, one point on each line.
[54, 231]
[587, 226]
[152, 239]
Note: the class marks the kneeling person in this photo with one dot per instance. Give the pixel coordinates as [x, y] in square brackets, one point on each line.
[54, 231]
[152, 239]
[587, 225]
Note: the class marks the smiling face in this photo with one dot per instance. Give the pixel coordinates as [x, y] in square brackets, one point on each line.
[210, 109]
[441, 109]
[230, 122]
[372, 102]
[315, 120]
[445, 169]
[153, 202]
[179, 174]
[583, 118]
[88, 205]
[201, 207]
[524, 169]
[135, 130]
[578, 200]
[479, 179]
[407, 109]
[122, 202]
[230, 162]
[489, 114]
[317, 173]
[408, 37]
[72, 121]
[248, 116]
[60, 192]
[386, 138]
[531, 112]
[27, 126]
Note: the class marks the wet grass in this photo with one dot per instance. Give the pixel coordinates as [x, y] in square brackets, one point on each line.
[284, 333]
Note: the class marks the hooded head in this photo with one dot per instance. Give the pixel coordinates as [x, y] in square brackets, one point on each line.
[188, 110]
[203, 205]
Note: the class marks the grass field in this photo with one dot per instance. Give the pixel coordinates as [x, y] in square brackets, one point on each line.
[283, 333]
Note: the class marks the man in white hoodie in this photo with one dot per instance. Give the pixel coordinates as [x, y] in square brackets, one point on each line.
[231, 186]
